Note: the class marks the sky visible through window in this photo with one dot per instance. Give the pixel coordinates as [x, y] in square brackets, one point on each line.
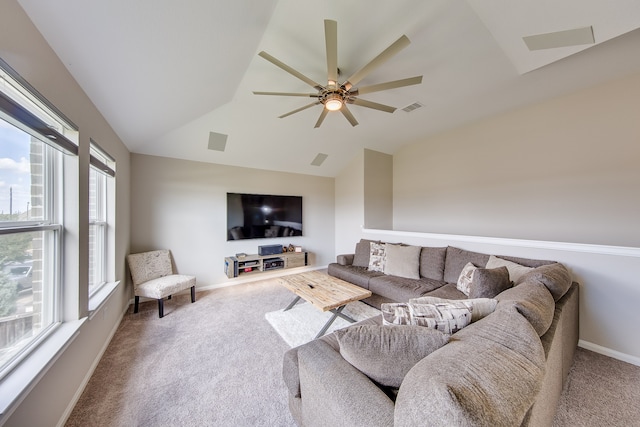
[15, 177]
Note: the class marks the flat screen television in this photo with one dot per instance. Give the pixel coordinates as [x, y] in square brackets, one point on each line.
[259, 216]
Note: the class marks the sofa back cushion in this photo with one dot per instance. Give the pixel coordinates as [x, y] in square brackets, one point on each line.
[361, 256]
[554, 276]
[533, 300]
[432, 263]
[472, 379]
[457, 258]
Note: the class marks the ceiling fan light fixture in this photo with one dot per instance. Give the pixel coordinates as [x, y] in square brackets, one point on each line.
[333, 102]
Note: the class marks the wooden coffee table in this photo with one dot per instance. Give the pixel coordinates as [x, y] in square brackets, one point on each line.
[326, 293]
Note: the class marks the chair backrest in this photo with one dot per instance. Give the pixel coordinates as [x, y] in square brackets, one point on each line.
[147, 266]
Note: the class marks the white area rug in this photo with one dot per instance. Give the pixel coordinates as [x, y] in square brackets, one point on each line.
[303, 322]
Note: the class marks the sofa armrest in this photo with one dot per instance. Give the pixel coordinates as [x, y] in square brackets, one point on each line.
[335, 393]
[345, 259]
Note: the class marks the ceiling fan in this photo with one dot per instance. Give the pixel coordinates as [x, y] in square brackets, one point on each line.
[334, 96]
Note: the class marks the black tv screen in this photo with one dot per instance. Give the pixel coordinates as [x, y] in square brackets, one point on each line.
[258, 216]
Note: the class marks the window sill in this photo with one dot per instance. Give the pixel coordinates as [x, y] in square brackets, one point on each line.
[18, 383]
[98, 299]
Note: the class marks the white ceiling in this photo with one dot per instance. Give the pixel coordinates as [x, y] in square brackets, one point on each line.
[164, 74]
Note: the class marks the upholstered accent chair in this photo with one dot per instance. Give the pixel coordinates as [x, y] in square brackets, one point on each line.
[153, 277]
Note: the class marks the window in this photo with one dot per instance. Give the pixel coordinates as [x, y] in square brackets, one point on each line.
[33, 140]
[101, 171]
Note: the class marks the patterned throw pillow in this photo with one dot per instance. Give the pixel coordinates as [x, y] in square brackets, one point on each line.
[480, 307]
[447, 318]
[466, 278]
[377, 257]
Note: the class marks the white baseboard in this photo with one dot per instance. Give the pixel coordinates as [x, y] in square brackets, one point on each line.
[608, 352]
[67, 413]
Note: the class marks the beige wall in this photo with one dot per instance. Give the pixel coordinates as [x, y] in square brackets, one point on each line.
[24, 49]
[349, 212]
[562, 170]
[378, 190]
[181, 205]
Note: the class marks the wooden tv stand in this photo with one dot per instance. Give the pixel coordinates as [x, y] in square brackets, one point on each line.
[251, 264]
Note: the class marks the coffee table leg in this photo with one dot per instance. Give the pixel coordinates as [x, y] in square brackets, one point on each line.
[337, 312]
[294, 302]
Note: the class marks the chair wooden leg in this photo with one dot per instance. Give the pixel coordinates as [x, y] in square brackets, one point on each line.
[193, 294]
[161, 307]
[135, 304]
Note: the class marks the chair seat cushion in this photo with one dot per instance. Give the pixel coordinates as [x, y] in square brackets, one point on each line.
[165, 286]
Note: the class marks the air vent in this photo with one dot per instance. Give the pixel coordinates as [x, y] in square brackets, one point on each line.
[414, 106]
[217, 141]
[319, 159]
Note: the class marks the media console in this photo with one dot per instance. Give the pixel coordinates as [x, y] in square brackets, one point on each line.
[235, 266]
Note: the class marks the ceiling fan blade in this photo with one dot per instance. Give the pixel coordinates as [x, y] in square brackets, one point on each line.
[290, 70]
[349, 116]
[298, 110]
[331, 40]
[388, 85]
[321, 118]
[370, 104]
[312, 95]
[395, 47]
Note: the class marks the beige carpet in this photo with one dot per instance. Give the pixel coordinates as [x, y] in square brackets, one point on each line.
[218, 362]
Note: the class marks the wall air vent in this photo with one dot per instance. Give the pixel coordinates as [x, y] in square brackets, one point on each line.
[319, 159]
[414, 106]
[217, 141]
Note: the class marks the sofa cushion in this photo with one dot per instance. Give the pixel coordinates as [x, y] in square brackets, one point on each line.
[401, 289]
[377, 257]
[533, 300]
[480, 307]
[357, 275]
[447, 291]
[516, 271]
[554, 276]
[432, 263]
[457, 258]
[361, 256]
[483, 282]
[488, 375]
[386, 353]
[402, 261]
[448, 318]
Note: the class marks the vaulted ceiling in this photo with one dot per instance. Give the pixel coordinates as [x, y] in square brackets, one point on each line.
[167, 74]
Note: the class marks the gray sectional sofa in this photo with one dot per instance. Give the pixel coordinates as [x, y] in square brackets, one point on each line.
[505, 369]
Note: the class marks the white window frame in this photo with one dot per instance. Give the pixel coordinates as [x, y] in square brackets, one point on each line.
[22, 106]
[101, 265]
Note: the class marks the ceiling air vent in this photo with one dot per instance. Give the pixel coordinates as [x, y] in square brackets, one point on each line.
[414, 106]
[319, 159]
[217, 141]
